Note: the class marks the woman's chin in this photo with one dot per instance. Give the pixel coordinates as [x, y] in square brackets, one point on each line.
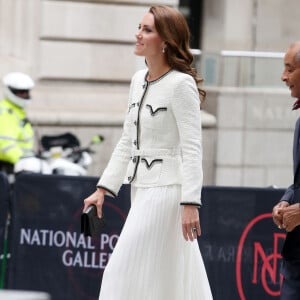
[138, 53]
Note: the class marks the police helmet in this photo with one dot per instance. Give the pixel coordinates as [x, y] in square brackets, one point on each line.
[17, 88]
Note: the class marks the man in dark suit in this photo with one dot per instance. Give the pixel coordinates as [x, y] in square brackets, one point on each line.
[286, 214]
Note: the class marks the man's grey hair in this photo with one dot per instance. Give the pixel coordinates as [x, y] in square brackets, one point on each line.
[297, 55]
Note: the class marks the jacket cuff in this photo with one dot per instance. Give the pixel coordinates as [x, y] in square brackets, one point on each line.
[107, 190]
[191, 203]
[289, 202]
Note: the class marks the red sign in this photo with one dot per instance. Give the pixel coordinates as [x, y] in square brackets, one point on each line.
[266, 259]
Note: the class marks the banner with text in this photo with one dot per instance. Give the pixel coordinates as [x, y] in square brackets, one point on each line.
[48, 251]
[239, 243]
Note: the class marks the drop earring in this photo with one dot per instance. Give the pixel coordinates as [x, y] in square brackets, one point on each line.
[163, 50]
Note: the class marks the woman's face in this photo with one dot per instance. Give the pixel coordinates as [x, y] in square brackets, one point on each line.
[148, 42]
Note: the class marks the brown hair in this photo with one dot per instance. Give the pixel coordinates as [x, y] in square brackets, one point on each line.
[174, 31]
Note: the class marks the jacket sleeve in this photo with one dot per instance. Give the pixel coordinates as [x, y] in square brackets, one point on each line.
[186, 109]
[288, 194]
[10, 151]
[290, 191]
[115, 171]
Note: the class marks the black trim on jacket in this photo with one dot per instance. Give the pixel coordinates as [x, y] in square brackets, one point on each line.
[108, 190]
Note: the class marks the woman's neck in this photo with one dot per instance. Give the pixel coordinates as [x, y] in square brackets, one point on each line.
[157, 70]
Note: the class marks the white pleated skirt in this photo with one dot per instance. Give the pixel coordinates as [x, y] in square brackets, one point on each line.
[152, 260]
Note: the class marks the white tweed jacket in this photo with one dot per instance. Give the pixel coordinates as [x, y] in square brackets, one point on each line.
[161, 142]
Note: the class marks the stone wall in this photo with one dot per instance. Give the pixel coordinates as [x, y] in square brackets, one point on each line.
[254, 136]
[257, 25]
[80, 54]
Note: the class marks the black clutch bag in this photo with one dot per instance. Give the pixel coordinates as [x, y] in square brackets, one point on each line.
[91, 225]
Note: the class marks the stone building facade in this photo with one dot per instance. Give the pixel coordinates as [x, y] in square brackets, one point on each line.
[80, 53]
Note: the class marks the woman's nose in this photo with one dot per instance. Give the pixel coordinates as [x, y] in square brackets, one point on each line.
[138, 35]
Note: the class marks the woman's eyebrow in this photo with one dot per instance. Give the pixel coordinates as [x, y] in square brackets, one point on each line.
[146, 26]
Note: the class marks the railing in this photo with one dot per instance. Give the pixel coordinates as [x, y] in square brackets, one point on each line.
[240, 68]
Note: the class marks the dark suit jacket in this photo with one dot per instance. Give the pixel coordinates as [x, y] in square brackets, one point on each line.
[291, 247]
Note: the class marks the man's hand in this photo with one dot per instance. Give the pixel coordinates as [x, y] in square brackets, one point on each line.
[278, 213]
[291, 217]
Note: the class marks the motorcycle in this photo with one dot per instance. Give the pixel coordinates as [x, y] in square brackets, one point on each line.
[60, 154]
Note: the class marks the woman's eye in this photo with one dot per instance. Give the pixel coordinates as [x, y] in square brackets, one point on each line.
[145, 28]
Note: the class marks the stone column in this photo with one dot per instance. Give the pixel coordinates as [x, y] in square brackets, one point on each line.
[19, 35]
[227, 25]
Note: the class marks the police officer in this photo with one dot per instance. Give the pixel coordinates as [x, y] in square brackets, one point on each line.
[16, 133]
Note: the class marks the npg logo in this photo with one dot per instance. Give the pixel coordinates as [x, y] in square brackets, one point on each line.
[258, 261]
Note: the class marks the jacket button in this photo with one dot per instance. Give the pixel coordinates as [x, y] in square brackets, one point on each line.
[134, 159]
[129, 178]
[134, 142]
[135, 123]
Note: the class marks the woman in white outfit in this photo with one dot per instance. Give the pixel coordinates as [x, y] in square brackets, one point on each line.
[157, 256]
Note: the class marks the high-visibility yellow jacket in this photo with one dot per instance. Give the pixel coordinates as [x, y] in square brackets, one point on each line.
[16, 133]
